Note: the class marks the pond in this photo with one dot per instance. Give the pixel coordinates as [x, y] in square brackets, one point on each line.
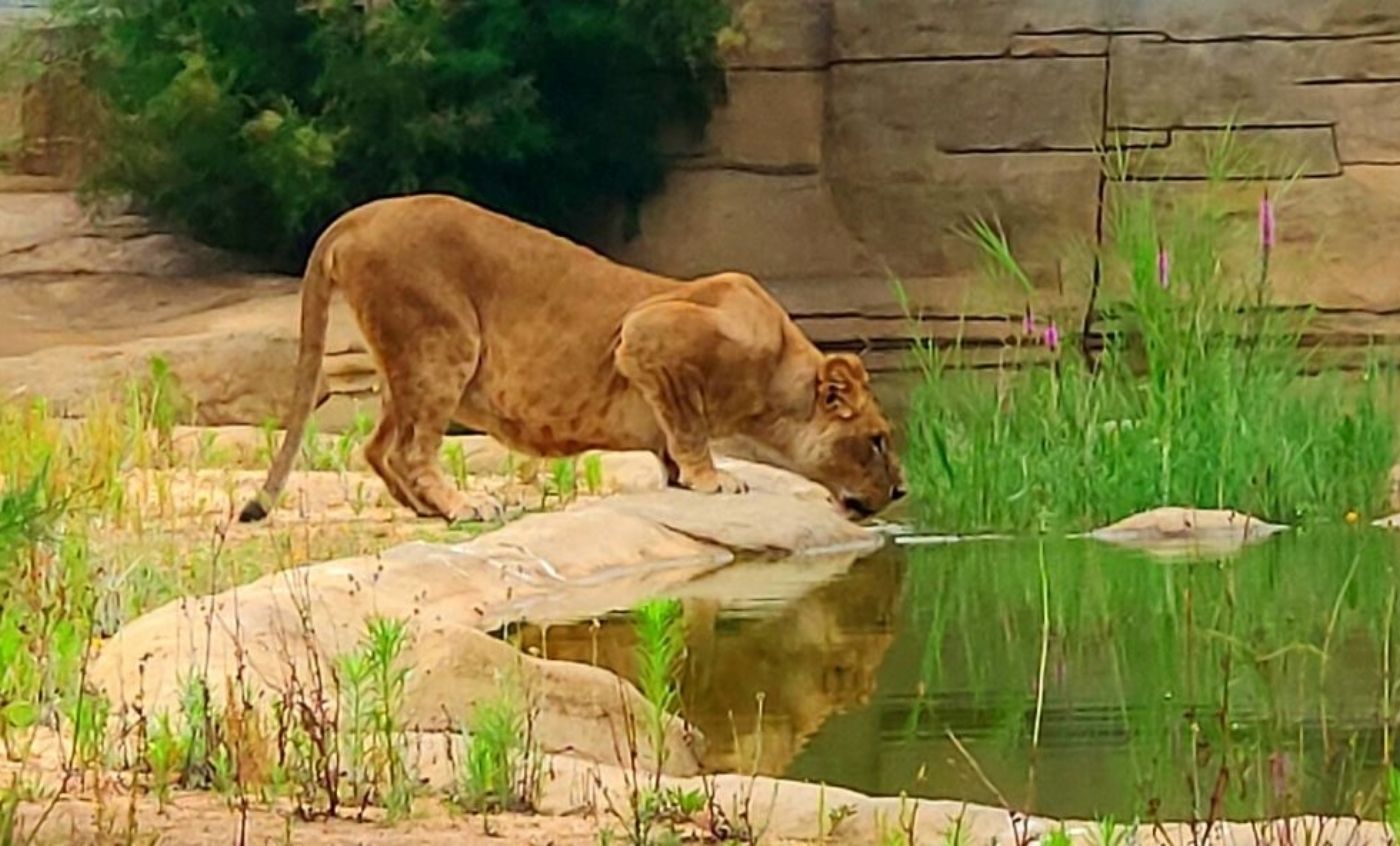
[1063, 677]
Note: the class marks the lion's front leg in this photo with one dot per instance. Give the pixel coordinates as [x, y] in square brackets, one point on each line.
[657, 355]
[678, 404]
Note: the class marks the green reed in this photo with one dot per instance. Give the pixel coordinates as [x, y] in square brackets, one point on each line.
[1198, 397]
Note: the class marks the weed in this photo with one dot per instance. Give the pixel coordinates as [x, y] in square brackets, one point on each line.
[314, 455]
[902, 831]
[1109, 832]
[1057, 837]
[455, 456]
[501, 766]
[660, 647]
[199, 740]
[563, 479]
[267, 448]
[9, 817]
[372, 686]
[86, 714]
[1392, 803]
[352, 438]
[156, 404]
[165, 755]
[593, 473]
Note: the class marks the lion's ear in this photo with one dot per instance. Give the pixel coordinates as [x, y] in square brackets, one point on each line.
[843, 386]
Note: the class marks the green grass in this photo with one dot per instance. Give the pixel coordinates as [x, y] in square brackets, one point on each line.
[1197, 400]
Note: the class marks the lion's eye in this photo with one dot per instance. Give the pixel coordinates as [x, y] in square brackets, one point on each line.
[878, 442]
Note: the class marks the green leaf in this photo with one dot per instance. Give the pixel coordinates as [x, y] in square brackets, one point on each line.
[20, 714]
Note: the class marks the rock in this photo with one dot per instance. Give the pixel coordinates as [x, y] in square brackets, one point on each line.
[1187, 531]
[787, 811]
[286, 628]
[770, 119]
[47, 233]
[769, 223]
[787, 525]
[784, 811]
[781, 34]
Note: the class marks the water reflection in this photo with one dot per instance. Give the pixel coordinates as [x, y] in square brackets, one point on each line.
[1077, 679]
[797, 661]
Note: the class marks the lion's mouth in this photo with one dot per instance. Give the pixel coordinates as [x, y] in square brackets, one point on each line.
[857, 508]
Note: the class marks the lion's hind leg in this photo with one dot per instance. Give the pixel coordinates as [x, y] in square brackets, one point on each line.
[378, 453]
[427, 385]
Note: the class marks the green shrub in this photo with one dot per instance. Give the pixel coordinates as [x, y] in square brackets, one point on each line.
[255, 124]
[1198, 398]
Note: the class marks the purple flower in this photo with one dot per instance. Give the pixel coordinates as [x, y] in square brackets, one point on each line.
[1268, 227]
[1164, 267]
[1052, 336]
[1028, 322]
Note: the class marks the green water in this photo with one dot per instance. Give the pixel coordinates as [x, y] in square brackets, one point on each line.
[1081, 680]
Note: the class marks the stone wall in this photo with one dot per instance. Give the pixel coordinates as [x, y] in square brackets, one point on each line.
[859, 133]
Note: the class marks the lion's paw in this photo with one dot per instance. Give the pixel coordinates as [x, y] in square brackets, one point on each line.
[716, 481]
[474, 508]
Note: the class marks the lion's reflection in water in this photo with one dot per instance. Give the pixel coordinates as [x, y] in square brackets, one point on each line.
[762, 674]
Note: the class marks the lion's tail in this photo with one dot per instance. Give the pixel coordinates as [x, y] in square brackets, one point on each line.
[316, 288]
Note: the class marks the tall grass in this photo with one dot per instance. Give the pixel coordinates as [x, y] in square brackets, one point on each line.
[1198, 397]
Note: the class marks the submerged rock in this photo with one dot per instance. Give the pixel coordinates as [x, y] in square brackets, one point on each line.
[1173, 531]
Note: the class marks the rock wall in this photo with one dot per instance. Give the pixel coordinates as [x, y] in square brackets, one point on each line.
[859, 133]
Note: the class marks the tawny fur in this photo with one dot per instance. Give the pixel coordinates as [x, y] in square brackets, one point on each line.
[553, 349]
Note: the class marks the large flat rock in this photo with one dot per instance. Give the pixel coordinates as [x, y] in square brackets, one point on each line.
[586, 561]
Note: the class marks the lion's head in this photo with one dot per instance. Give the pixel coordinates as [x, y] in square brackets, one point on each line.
[845, 445]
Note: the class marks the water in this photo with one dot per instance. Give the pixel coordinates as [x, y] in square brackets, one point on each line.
[1250, 686]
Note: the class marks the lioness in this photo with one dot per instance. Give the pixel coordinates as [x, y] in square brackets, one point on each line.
[553, 349]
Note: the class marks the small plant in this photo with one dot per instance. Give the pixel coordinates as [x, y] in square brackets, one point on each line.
[314, 455]
[455, 456]
[501, 766]
[1109, 832]
[156, 404]
[1058, 837]
[348, 441]
[86, 715]
[593, 473]
[563, 479]
[10, 832]
[902, 832]
[660, 647]
[165, 756]
[830, 819]
[267, 450]
[199, 735]
[1392, 803]
[372, 687]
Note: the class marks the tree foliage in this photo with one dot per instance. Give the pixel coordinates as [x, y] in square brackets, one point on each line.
[254, 122]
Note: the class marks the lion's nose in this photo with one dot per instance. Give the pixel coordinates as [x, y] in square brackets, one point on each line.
[898, 492]
[856, 506]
